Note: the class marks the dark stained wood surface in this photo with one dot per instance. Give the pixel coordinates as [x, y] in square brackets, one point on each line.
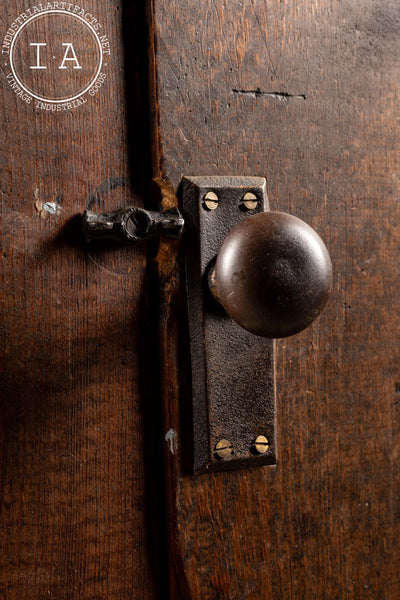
[305, 93]
[77, 508]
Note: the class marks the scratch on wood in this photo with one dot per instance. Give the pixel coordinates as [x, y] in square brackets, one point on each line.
[264, 38]
[283, 96]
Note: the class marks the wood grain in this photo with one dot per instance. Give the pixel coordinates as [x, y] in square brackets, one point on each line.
[77, 508]
[304, 93]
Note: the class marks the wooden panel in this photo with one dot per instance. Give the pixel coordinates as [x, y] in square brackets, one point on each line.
[77, 512]
[305, 93]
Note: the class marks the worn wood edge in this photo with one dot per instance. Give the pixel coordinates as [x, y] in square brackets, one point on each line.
[165, 270]
[153, 92]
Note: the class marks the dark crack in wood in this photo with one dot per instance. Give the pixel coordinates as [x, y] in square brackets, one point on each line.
[277, 95]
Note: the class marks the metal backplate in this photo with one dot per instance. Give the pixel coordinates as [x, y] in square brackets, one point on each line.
[232, 370]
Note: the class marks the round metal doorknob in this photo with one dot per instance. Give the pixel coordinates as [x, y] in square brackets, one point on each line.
[273, 274]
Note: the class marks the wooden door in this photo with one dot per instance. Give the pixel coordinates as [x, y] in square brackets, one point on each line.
[77, 515]
[304, 93]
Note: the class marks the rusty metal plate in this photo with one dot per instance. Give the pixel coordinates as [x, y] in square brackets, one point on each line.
[232, 370]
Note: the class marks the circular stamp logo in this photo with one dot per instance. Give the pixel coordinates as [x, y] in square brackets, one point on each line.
[55, 54]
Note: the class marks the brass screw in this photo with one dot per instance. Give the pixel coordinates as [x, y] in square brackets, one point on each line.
[223, 449]
[250, 201]
[211, 201]
[261, 444]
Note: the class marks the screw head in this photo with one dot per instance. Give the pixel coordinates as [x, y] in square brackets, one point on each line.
[261, 444]
[223, 449]
[250, 201]
[210, 201]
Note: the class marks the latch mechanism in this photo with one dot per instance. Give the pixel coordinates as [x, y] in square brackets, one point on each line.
[132, 224]
[251, 275]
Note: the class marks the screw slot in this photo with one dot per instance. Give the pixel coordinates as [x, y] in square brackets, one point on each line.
[210, 201]
[261, 444]
[223, 449]
[137, 224]
[250, 201]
